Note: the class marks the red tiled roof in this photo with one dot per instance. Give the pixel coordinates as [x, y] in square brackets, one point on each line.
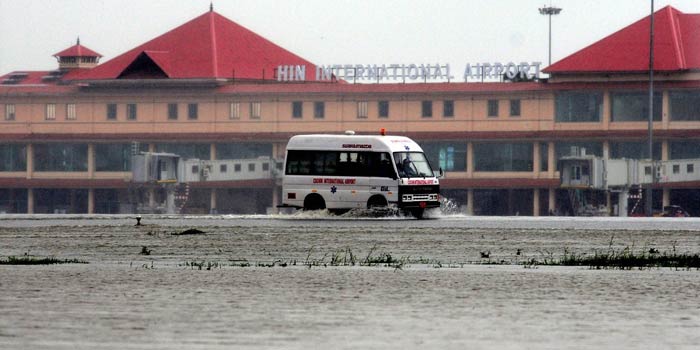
[77, 50]
[209, 46]
[676, 47]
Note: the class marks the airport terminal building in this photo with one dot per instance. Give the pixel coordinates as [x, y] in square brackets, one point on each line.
[225, 101]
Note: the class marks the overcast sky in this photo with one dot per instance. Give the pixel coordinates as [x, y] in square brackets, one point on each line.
[454, 32]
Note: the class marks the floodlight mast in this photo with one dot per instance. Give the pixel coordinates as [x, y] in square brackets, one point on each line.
[550, 11]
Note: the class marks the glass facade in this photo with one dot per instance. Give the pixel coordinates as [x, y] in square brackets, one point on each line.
[634, 106]
[13, 157]
[113, 157]
[684, 105]
[685, 149]
[60, 157]
[578, 106]
[450, 156]
[503, 156]
[243, 150]
[634, 150]
[186, 150]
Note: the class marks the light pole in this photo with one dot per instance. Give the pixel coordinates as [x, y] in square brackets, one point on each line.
[650, 122]
[550, 11]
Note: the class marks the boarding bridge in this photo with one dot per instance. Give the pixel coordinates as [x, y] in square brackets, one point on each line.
[175, 175]
[590, 172]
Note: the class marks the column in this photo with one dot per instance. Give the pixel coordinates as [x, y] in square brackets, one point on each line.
[470, 159]
[212, 202]
[151, 198]
[608, 201]
[664, 150]
[606, 149]
[91, 160]
[606, 110]
[275, 198]
[30, 161]
[212, 151]
[91, 201]
[552, 200]
[622, 202]
[535, 202]
[536, 159]
[470, 201]
[666, 197]
[665, 109]
[30, 201]
[551, 165]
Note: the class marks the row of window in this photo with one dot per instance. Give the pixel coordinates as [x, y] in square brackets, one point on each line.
[570, 106]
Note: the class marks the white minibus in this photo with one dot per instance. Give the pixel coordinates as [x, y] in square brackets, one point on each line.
[343, 172]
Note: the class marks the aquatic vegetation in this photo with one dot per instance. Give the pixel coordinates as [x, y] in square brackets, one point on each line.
[30, 260]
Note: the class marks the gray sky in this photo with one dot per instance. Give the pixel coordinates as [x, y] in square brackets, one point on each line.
[454, 32]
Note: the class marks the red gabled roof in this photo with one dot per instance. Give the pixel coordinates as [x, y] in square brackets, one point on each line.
[676, 47]
[77, 50]
[209, 46]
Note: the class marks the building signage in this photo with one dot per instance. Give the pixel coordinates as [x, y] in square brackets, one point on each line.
[404, 72]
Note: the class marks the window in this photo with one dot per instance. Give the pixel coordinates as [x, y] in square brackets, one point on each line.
[676, 168]
[319, 110]
[172, 111]
[448, 108]
[195, 169]
[50, 111]
[234, 110]
[690, 168]
[362, 109]
[266, 166]
[70, 111]
[223, 168]
[341, 163]
[297, 110]
[684, 105]
[514, 108]
[575, 172]
[492, 108]
[634, 106]
[251, 167]
[634, 150]
[192, 111]
[647, 170]
[111, 111]
[13, 157]
[237, 168]
[503, 157]
[9, 112]
[113, 156]
[426, 109]
[450, 156]
[575, 106]
[131, 111]
[255, 110]
[60, 157]
[544, 156]
[383, 107]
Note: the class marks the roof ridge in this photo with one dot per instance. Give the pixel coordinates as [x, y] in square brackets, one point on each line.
[212, 32]
[676, 34]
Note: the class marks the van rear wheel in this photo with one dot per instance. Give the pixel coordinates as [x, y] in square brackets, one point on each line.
[376, 202]
[314, 202]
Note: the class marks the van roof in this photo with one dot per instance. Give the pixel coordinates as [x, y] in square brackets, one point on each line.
[377, 143]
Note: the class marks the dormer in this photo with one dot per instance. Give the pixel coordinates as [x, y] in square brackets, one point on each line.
[77, 56]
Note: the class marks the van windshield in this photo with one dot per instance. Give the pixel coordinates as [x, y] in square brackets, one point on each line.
[412, 164]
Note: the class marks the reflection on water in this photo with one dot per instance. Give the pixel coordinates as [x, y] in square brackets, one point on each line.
[124, 299]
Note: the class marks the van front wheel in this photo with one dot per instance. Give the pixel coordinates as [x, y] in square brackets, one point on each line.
[314, 202]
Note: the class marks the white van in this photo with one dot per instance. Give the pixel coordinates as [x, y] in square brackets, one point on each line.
[342, 172]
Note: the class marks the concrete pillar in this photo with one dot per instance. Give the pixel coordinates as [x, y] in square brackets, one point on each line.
[536, 202]
[470, 201]
[91, 201]
[91, 160]
[552, 200]
[212, 151]
[536, 159]
[606, 149]
[151, 197]
[275, 198]
[664, 150]
[470, 159]
[30, 161]
[608, 201]
[30, 201]
[665, 109]
[622, 203]
[551, 162]
[151, 147]
[212, 202]
[666, 197]
[606, 110]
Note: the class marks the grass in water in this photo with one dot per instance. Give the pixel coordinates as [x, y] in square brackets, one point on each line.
[28, 260]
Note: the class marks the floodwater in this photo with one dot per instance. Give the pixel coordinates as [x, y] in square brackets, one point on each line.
[445, 296]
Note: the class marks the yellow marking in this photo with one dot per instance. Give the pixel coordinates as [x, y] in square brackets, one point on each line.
[314, 191]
